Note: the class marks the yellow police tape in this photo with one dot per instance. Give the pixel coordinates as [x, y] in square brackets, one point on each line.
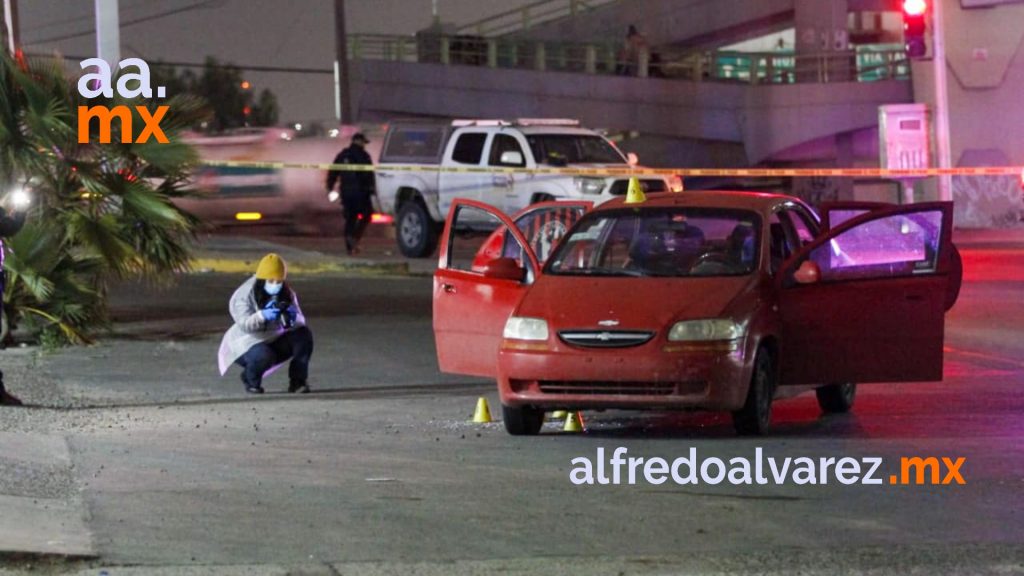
[603, 172]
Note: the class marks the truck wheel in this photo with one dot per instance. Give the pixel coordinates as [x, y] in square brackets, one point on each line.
[538, 198]
[755, 417]
[415, 230]
[836, 398]
[522, 420]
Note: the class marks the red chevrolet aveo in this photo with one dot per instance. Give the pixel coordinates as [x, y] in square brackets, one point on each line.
[712, 300]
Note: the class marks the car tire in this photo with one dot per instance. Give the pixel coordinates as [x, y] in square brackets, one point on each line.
[538, 198]
[522, 420]
[415, 230]
[836, 398]
[754, 418]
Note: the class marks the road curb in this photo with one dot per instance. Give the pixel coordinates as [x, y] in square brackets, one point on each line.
[246, 266]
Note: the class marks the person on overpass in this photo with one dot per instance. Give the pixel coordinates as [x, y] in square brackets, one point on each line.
[357, 190]
[269, 329]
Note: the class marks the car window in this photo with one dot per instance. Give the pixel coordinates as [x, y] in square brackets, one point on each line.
[505, 143]
[801, 226]
[543, 228]
[470, 226]
[892, 246]
[671, 242]
[559, 149]
[780, 247]
[469, 148]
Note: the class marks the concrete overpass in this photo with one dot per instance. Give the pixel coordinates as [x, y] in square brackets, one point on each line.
[765, 118]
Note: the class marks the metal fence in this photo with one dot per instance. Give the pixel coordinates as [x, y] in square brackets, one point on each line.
[862, 64]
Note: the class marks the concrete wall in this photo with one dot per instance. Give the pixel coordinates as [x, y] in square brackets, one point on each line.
[985, 55]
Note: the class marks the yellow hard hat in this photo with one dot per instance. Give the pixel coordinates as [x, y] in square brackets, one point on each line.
[271, 267]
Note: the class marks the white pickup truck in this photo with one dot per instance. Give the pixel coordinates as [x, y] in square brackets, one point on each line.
[420, 199]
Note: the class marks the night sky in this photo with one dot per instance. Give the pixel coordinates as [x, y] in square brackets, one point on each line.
[296, 33]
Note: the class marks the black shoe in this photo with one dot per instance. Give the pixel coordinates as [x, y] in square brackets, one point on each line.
[251, 388]
[298, 387]
[7, 399]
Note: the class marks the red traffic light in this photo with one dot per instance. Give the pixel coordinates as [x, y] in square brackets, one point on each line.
[915, 7]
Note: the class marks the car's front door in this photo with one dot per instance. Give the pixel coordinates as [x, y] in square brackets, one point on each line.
[875, 310]
[471, 302]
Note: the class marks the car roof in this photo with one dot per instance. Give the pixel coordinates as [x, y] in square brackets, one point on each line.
[757, 201]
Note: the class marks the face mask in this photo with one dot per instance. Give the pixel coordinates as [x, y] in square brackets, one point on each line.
[273, 288]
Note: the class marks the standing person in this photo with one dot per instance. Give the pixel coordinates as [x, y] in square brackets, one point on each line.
[629, 56]
[269, 329]
[357, 189]
[10, 224]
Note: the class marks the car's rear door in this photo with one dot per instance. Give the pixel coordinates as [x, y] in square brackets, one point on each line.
[877, 312]
[470, 308]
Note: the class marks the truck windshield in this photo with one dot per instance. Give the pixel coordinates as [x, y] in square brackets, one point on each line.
[561, 149]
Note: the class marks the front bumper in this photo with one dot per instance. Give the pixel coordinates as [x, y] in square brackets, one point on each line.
[657, 375]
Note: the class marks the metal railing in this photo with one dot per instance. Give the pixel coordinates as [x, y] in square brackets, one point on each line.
[528, 16]
[866, 64]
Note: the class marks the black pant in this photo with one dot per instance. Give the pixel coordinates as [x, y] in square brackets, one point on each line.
[296, 344]
[358, 210]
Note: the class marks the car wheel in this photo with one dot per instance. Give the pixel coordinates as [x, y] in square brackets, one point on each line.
[836, 398]
[415, 230]
[522, 420]
[538, 198]
[755, 417]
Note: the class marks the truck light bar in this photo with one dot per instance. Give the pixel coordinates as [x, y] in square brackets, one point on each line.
[518, 122]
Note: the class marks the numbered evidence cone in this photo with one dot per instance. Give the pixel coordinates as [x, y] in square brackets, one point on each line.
[635, 192]
[559, 415]
[573, 422]
[483, 413]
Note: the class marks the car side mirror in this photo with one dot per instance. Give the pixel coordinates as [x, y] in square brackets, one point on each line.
[504, 269]
[807, 273]
[512, 158]
[632, 159]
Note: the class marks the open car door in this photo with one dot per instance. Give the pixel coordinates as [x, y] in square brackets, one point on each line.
[865, 302]
[476, 287]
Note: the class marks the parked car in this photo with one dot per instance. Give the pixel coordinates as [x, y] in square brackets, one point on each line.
[712, 300]
[419, 199]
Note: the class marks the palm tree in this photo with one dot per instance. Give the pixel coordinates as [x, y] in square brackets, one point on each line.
[101, 212]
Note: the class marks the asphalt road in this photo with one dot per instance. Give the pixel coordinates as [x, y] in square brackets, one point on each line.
[379, 472]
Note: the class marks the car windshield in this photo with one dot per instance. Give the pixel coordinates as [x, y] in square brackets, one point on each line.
[660, 242]
[560, 149]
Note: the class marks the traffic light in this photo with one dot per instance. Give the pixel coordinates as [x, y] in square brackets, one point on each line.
[915, 13]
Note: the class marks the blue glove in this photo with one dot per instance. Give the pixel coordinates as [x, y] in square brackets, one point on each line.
[270, 314]
[292, 312]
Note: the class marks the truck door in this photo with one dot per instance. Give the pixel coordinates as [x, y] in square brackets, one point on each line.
[507, 191]
[466, 150]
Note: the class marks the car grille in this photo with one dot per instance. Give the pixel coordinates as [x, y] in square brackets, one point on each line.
[605, 338]
[620, 187]
[621, 388]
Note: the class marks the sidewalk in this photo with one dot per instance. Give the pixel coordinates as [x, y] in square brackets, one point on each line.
[234, 254]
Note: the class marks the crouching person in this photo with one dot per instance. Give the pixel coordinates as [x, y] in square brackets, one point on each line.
[269, 329]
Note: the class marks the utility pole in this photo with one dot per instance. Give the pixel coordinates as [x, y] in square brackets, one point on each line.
[11, 21]
[342, 91]
[942, 144]
[108, 33]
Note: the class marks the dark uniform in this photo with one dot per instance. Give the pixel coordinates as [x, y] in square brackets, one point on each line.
[10, 224]
[357, 189]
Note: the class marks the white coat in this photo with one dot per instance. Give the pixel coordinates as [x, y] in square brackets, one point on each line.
[250, 328]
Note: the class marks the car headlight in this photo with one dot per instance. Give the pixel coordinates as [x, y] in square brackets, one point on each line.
[590, 186]
[518, 328]
[704, 331]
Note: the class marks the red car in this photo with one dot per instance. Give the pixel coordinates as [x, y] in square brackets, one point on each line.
[712, 300]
